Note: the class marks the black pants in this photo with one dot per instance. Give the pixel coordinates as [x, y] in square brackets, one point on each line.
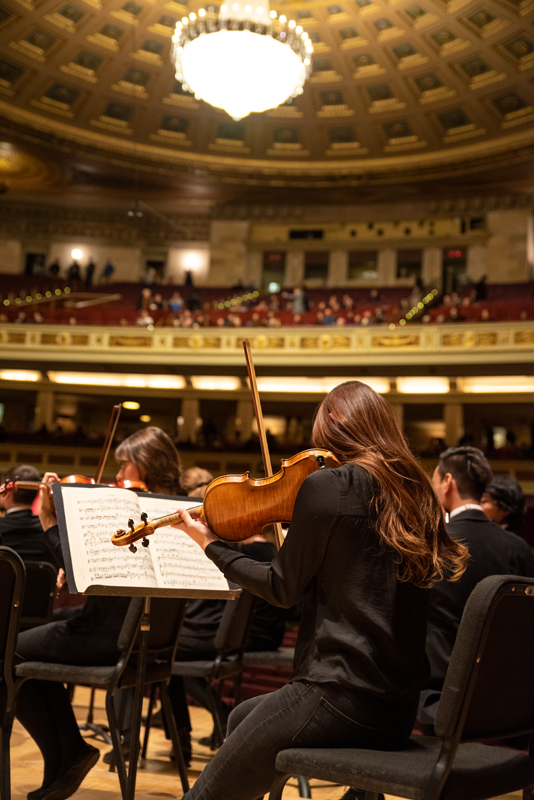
[300, 714]
[43, 707]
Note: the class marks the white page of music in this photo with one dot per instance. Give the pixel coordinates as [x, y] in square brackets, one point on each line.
[179, 562]
[92, 516]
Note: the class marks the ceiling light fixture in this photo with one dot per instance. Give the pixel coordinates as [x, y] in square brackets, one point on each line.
[117, 379]
[20, 375]
[242, 58]
[496, 384]
[423, 385]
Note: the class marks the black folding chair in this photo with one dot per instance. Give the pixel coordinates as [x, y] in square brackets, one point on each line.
[38, 602]
[488, 695]
[166, 616]
[12, 577]
[230, 643]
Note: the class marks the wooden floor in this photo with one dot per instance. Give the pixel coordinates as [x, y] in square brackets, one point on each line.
[157, 777]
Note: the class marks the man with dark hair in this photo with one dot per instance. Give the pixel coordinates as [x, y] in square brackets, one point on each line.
[504, 502]
[20, 529]
[459, 481]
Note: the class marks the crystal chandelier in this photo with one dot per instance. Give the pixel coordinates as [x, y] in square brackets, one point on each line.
[242, 59]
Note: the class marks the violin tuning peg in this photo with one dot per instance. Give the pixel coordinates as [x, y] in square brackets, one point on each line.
[131, 524]
[120, 532]
[144, 517]
[145, 542]
[132, 548]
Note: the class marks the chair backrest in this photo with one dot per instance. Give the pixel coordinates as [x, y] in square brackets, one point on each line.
[12, 577]
[235, 623]
[38, 602]
[166, 617]
[489, 688]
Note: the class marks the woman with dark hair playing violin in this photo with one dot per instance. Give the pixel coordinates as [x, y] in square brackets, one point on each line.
[87, 638]
[366, 542]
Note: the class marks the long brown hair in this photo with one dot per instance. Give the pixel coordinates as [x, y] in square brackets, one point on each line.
[358, 425]
[155, 456]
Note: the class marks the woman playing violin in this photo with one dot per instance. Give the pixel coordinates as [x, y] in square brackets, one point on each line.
[366, 542]
[150, 456]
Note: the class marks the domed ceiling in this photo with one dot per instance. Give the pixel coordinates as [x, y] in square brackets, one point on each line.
[396, 86]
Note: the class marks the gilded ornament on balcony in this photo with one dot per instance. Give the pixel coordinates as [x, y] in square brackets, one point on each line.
[452, 340]
[396, 341]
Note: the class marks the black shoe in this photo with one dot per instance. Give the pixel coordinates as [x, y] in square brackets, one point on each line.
[357, 794]
[125, 747]
[37, 794]
[70, 780]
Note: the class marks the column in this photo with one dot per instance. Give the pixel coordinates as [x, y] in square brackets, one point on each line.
[398, 410]
[244, 419]
[453, 416]
[294, 268]
[338, 266]
[190, 414]
[44, 411]
[477, 261]
[432, 266]
[228, 241]
[387, 267]
[254, 269]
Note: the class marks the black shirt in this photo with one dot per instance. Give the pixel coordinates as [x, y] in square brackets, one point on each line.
[361, 627]
[22, 531]
[492, 551]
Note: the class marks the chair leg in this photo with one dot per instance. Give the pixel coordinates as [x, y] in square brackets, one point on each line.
[171, 722]
[218, 735]
[304, 786]
[5, 763]
[278, 787]
[149, 719]
[118, 756]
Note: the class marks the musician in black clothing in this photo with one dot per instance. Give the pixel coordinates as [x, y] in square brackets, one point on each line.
[459, 481]
[88, 637]
[366, 541]
[20, 529]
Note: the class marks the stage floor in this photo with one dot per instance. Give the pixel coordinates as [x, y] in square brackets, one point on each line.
[157, 777]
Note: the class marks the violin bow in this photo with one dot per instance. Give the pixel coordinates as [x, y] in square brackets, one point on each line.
[267, 465]
[110, 433]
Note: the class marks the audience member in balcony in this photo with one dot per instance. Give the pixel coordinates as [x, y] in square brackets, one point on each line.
[176, 303]
[193, 301]
[274, 302]
[426, 318]
[54, 268]
[380, 317]
[347, 302]
[144, 298]
[485, 315]
[341, 322]
[504, 502]
[455, 315]
[73, 321]
[319, 318]
[329, 318]
[456, 300]
[261, 306]
[296, 319]
[481, 290]
[107, 272]
[123, 321]
[20, 319]
[144, 318]
[73, 274]
[156, 303]
[89, 274]
[254, 321]
[374, 296]
[271, 320]
[510, 450]
[299, 300]
[333, 302]
[38, 318]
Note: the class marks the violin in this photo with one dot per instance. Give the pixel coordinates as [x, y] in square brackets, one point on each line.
[238, 506]
[12, 486]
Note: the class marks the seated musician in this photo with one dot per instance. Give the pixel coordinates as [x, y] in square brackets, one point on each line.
[460, 480]
[89, 637]
[366, 541]
[20, 528]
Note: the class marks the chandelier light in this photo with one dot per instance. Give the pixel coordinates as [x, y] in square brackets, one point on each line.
[243, 58]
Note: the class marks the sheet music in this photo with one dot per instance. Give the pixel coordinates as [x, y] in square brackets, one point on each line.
[179, 562]
[92, 516]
